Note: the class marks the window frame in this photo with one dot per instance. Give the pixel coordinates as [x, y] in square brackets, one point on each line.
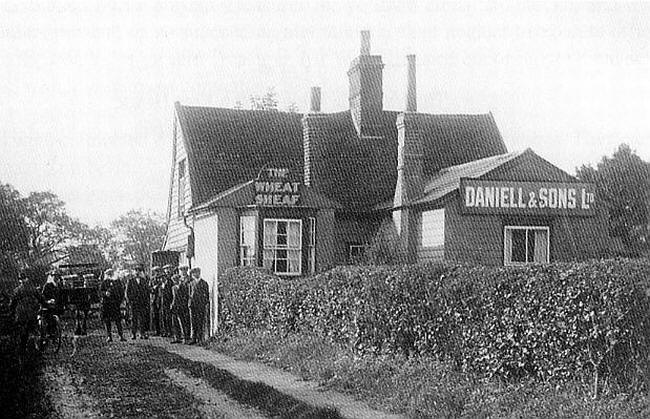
[311, 245]
[507, 228]
[250, 260]
[283, 247]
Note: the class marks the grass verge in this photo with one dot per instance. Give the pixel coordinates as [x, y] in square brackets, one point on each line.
[423, 387]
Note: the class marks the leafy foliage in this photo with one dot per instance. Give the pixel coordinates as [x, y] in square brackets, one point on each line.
[137, 234]
[13, 229]
[549, 322]
[623, 184]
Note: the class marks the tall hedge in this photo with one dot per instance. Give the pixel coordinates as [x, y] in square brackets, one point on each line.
[557, 321]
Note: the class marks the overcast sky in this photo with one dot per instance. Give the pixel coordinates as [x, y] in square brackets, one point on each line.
[87, 88]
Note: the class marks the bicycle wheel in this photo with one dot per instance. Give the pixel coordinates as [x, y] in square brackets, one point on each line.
[57, 336]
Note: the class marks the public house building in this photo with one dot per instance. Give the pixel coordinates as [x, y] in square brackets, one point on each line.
[297, 194]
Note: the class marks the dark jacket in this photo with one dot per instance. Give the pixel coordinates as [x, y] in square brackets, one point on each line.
[180, 298]
[52, 291]
[199, 294]
[112, 293]
[25, 303]
[137, 294]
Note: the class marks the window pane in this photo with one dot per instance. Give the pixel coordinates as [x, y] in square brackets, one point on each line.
[541, 246]
[294, 235]
[518, 245]
[270, 233]
[281, 266]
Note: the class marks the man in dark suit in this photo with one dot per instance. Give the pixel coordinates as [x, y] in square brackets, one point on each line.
[166, 297]
[198, 304]
[137, 295]
[154, 300]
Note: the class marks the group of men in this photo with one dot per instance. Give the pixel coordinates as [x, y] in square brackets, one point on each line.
[170, 304]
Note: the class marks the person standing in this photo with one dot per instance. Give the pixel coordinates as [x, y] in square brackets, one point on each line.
[198, 303]
[166, 303]
[174, 309]
[137, 295]
[25, 303]
[154, 300]
[183, 302]
[112, 293]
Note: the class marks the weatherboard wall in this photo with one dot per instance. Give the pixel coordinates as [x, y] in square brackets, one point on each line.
[177, 232]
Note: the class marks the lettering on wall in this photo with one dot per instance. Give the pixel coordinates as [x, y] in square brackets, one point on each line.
[275, 188]
[532, 198]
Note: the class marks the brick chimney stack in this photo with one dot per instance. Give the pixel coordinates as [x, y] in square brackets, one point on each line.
[411, 93]
[366, 90]
[314, 100]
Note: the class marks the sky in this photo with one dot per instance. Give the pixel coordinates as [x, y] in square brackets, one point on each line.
[87, 87]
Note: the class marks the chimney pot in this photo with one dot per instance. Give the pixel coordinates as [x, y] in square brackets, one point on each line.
[365, 42]
[411, 92]
[314, 105]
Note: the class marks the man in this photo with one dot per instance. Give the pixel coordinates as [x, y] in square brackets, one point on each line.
[112, 293]
[183, 302]
[137, 295]
[165, 295]
[154, 300]
[198, 303]
[25, 303]
[174, 310]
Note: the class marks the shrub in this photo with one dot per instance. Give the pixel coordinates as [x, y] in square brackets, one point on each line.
[552, 322]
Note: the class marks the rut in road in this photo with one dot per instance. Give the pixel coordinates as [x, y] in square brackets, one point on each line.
[215, 404]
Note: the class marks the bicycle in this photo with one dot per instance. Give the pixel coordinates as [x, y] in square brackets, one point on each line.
[50, 331]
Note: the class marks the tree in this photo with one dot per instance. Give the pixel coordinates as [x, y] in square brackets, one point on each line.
[623, 185]
[266, 102]
[50, 230]
[13, 229]
[137, 234]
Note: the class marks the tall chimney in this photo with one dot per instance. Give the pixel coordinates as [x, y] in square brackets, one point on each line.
[365, 43]
[314, 101]
[366, 90]
[411, 93]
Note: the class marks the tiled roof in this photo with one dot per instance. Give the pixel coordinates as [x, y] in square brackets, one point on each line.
[448, 180]
[227, 147]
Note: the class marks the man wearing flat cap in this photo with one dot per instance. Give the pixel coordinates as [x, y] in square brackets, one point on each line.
[198, 304]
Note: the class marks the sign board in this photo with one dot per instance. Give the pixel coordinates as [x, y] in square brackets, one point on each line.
[274, 188]
[527, 198]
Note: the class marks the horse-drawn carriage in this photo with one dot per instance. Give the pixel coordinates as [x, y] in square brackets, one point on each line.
[80, 291]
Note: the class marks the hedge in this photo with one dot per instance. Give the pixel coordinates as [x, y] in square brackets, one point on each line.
[557, 321]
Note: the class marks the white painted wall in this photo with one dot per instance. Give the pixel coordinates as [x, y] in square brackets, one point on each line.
[206, 258]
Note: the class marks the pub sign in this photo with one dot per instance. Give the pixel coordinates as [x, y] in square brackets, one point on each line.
[275, 188]
[527, 198]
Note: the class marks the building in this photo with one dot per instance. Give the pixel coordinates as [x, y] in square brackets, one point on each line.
[301, 193]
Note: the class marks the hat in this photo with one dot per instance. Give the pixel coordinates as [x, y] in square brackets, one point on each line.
[195, 271]
[139, 268]
[156, 269]
[183, 268]
[108, 272]
[168, 266]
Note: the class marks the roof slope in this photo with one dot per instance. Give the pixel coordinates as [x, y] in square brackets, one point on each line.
[227, 147]
[448, 180]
